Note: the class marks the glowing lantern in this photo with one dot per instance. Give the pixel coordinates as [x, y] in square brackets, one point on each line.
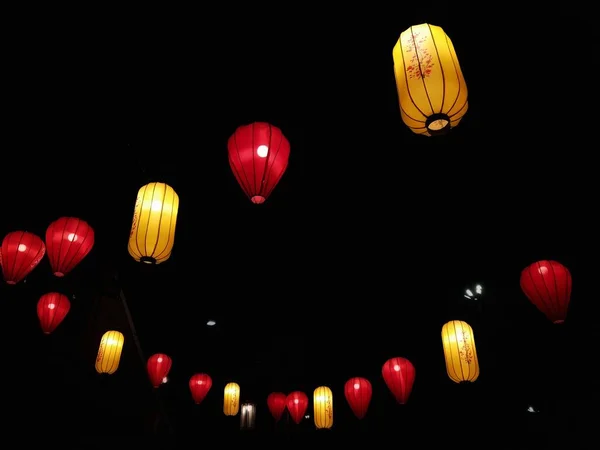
[431, 87]
[399, 376]
[109, 352]
[460, 353]
[20, 253]
[158, 367]
[548, 284]
[358, 392]
[297, 404]
[323, 407]
[154, 219]
[248, 416]
[68, 241]
[276, 404]
[51, 310]
[258, 157]
[200, 384]
[231, 399]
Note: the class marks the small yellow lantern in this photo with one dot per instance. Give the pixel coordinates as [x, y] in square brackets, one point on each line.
[231, 399]
[460, 353]
[323, 407]
[109, 352]
[154, 220]
[248, 416]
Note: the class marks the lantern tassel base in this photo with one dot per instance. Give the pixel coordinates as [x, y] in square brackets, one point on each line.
[438, 124]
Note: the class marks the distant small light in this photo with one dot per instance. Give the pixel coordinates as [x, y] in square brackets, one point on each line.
[211, 323]
[307, 416]
[165, 379]
[531, 409]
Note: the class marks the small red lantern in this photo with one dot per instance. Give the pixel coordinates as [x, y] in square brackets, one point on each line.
[297, 404]
[358, 392]
[399, 376]
[68, 241]
[51, 310]
[258, 157]
[158, 366]
[200, 384]
[20, 253]
[276, 403]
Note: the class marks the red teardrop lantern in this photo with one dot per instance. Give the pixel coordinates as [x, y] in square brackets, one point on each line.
[548, 284]
[68, 241]
[358, 392]
[52, 308]
[158, 366]
[258, 157]
[297, 404]
[20, 253]
[200, 384]
[276, 403]
[399, 376]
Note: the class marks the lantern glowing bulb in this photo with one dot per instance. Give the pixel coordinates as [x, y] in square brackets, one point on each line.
[262, 151]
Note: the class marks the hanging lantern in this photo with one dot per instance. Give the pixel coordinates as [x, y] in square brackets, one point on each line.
[297, 404]
[358, 392]
[200, 384]
[258, 157]
[109, 352]
[460, 353]
[51, 310]
[431, 87]
[399, 376]
[20, 253]
[548, 284]
[231, 399]
[154, 219]
[68, 241]
[276, 404]
[158, 367]
[323, 407]
[248, 416]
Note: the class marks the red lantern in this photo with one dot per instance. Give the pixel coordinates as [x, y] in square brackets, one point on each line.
[547, 284]
[20, 253]
[200, 384]
[258, 157]
[399, 376]
[51, 310]
[358, 392]
[158, 366]
[68, 241]
[276, 403]
[297, 404]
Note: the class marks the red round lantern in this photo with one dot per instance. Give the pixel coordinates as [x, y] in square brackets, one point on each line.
[548, 284]
[276, 403]
[158, 366]
[297, 404]
[358, 392]
[258, 157]
[200, 384]
[399, 376]
[68, 241]
[51, 310]
[20, 253]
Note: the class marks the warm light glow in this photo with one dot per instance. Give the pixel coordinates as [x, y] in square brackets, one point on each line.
[262, 151]
[109, 352]
[231, 399]
[248, 416]
[296, 401]
[22, 248]
[460, 353]
[211, 323]
[323, 407]
[72, 237]
[397, 368]
[165, 380]
[356, 386]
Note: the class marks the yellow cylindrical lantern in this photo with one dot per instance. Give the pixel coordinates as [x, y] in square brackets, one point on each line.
[248, 416]
[231, 399]
[109, 352]
[154, 220]
[431, 87]
[460, 353]
[323, 407]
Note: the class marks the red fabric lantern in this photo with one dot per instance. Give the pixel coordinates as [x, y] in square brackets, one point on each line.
[20, 253]
[399, 376]
[358, 392]
[548, 284]
[200, 384]
[68, 241]
[158, 366]
[297, 404]
[258, 157]
[276, 403]
[51, 310]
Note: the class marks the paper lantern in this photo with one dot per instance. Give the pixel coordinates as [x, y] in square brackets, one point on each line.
[154, 220]
[323, 407]
[431, 87]
[51, 310]
[109, 352]
[460, 353]
[276, 404]
[399, 376]
[548, 284]
[358, 392]
[68, 241]
[158, 367]
[248, 416]
[20, 253]
[297, 404]
[200, 384]
[258, 157]
[231, 399]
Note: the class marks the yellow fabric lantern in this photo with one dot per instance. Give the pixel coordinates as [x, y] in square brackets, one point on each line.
[248, 416]
[231, 399]
[460, 353]
[154, 220]
[109, 352]
[431, 87]
[323, 407]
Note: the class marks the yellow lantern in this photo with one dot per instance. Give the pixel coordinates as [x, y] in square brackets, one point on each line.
[154, 220]
[323, 407]
[431, 87]
[109, 352]
[231, 399]
[248, 416]
[460, 353]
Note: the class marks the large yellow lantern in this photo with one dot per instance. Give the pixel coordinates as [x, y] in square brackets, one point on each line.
[431, 87]
[323, 407]
[460, 353]
[109, 352]
[154, 220]
[231, 399]
[248, 416]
